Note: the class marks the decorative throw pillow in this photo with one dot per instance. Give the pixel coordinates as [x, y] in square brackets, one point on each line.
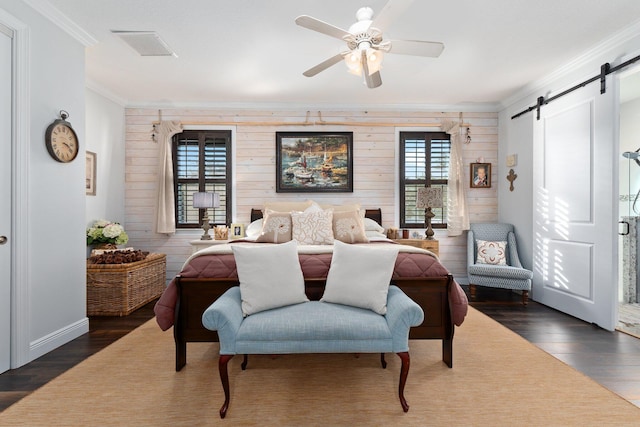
[276, 227]
[312, 227]
[270, 276]
[491, 252]
[348, 227]
[359, 276]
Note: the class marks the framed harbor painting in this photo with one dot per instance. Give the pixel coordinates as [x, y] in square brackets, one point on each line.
[314, 162]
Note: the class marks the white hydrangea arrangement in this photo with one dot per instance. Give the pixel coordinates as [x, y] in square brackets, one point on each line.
[103, 231]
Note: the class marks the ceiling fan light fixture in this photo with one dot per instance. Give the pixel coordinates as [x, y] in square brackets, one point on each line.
[374, 60]
[354, 61]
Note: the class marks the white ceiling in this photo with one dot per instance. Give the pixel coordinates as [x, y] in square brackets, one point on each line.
[248, 52]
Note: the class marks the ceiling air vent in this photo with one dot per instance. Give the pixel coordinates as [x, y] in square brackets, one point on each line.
[146, 43]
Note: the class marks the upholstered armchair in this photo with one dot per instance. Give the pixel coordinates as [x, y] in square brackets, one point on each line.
[492, 259]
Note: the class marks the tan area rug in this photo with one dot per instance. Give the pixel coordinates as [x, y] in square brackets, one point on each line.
[498, 379]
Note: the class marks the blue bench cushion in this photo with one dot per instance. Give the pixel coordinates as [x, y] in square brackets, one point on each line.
[314, 327]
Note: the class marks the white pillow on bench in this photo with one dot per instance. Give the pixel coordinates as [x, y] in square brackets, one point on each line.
[270, 276]
[359, 275]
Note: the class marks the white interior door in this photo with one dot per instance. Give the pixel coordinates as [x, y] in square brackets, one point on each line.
[575, 221]
[5, 198]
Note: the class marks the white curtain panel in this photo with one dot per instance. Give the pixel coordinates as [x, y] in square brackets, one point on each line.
[166, 222]
[457, 212]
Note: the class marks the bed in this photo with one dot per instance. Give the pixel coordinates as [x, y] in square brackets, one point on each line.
[210, 272]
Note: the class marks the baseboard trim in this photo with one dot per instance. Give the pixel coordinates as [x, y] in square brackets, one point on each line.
[55, 339]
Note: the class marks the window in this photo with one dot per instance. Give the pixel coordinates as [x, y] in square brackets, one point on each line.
[202, 162]
[424, 162]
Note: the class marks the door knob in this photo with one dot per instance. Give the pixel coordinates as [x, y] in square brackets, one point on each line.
[3, 240]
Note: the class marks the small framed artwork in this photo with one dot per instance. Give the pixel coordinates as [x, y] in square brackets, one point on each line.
[90, 174]
[314, 162]
[236, 231]
[480, 175]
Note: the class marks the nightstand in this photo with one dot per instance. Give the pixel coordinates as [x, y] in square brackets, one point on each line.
[430, 245]
[196, 245]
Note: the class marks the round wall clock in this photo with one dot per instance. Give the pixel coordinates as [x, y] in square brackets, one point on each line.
[61, 140]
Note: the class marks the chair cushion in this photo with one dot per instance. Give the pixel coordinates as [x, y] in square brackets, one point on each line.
[503, 271]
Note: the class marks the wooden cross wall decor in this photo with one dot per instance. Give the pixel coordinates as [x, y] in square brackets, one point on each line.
[511, 177]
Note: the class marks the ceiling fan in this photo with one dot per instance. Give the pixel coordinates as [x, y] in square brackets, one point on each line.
[365, 42]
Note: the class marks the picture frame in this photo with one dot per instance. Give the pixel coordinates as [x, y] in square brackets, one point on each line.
[480, 175]
[236, 231]
[314, 162]
[90, 173]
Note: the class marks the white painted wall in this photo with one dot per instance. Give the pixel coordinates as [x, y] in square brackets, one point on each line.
[516, 207]
[105, 137]
[54, 312]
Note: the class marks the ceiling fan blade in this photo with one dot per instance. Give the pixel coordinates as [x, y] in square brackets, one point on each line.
[321, 27]
[323, 65]
[371, 80]
[416, 47]
[374, 80]
[390, 13]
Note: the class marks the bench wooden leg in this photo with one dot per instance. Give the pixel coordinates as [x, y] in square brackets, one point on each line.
[224, 377]
[404, 372]
[245, 360]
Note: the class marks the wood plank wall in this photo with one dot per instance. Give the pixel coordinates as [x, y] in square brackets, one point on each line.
[375, 148]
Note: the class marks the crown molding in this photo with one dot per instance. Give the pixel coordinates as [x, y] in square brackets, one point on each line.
[50, 12]
[534, 88]
[471, 107]
[101, 90]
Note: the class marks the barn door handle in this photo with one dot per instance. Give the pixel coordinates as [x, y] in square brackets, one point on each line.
[627, 228]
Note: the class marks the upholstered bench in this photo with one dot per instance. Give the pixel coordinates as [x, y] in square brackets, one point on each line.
[312, 327]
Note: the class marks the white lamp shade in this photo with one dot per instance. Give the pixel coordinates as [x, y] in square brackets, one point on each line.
[206, 200]
[429, 197]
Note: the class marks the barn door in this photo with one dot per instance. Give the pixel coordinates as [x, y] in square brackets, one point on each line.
[575, 249]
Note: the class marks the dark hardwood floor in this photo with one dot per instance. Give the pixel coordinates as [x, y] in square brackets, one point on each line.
[610, 358]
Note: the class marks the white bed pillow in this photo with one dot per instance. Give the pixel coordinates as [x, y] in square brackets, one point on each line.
[253, 230]
[359, 275]
[270, 276]
[371, 225]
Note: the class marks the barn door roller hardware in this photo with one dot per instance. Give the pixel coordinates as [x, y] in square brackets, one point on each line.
[605, 70]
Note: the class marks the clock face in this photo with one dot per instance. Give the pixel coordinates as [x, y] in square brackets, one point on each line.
[62, 142]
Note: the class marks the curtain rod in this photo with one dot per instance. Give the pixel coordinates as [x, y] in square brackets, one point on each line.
[605, 70]
[375, 124]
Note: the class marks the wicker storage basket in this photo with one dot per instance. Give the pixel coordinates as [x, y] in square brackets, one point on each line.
[119, 289]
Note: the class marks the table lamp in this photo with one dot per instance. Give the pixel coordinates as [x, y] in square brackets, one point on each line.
[429, 197]
[206, 201]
